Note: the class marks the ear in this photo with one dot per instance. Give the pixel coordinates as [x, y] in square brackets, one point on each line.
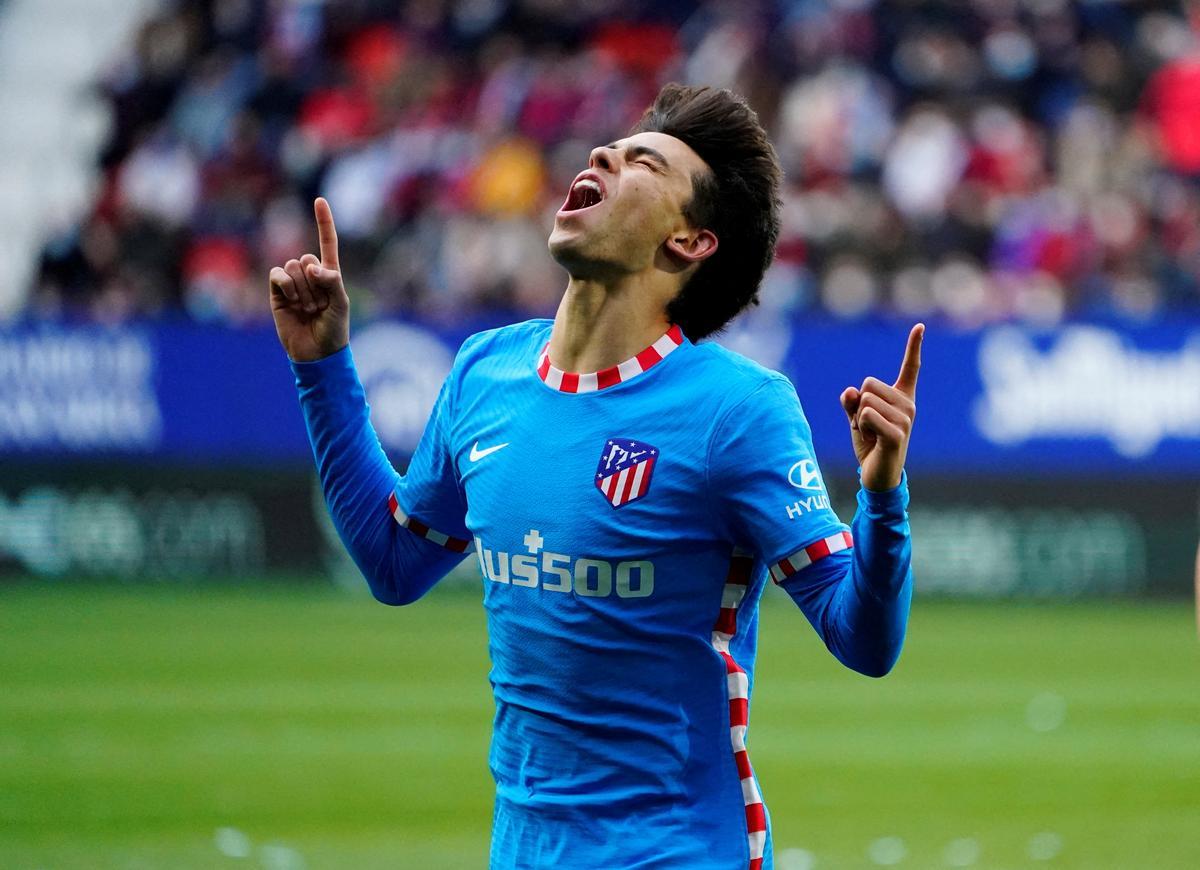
[692, 246]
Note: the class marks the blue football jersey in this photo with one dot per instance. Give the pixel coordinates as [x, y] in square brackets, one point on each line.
[624, 523]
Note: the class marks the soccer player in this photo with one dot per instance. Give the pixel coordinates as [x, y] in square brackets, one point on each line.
[627, 489]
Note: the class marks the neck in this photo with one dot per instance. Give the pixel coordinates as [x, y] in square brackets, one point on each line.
[603, 323]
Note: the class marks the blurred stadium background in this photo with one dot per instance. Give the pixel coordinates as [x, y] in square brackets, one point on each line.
[190, 673]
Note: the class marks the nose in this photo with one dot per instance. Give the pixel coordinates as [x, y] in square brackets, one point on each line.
[602, 157]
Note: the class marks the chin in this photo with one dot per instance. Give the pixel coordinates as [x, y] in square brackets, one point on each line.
[579, 264]
[567, 249]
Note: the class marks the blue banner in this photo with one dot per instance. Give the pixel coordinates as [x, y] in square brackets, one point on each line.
[1083, 398]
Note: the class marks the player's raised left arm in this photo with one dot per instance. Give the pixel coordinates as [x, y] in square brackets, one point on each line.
[859, 600]
[854, 585]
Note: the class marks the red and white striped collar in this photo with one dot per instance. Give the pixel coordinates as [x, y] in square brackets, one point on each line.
[588, 382]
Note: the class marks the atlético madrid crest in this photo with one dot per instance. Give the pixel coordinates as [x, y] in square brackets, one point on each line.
[625, 469]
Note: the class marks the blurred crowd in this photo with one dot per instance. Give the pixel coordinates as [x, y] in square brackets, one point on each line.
[986, 160]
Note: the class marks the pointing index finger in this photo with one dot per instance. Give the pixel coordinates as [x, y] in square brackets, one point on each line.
[907, 380]
[326, 233]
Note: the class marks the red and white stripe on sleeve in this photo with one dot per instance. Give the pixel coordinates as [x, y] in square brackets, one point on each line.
[457, 545]
[801, 559]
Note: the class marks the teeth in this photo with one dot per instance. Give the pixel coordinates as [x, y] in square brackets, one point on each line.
[589, 184]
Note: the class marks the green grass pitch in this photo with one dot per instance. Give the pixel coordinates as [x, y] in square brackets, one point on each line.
[296, 727]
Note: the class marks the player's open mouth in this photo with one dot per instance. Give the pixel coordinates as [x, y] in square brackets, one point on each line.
[586, 191]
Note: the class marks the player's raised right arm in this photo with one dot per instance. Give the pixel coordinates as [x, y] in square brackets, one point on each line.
[311, 311]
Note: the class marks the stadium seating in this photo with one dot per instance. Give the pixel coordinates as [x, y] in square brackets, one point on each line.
[55, 124]
[1002, 161]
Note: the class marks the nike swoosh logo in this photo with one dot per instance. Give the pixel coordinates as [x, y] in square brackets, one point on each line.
[477, 454]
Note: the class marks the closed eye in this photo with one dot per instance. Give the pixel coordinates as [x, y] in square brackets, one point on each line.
[645, 155]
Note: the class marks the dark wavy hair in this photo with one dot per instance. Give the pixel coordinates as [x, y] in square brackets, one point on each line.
[738, 200]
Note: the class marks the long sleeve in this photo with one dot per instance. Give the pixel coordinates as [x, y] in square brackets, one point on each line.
[855, 584]
[858, 599]
[399, 564]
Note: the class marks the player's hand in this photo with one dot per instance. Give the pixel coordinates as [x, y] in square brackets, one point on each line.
[881, 419]
[308, 299]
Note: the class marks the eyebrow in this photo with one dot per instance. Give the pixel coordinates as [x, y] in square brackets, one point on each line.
[644, 151]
